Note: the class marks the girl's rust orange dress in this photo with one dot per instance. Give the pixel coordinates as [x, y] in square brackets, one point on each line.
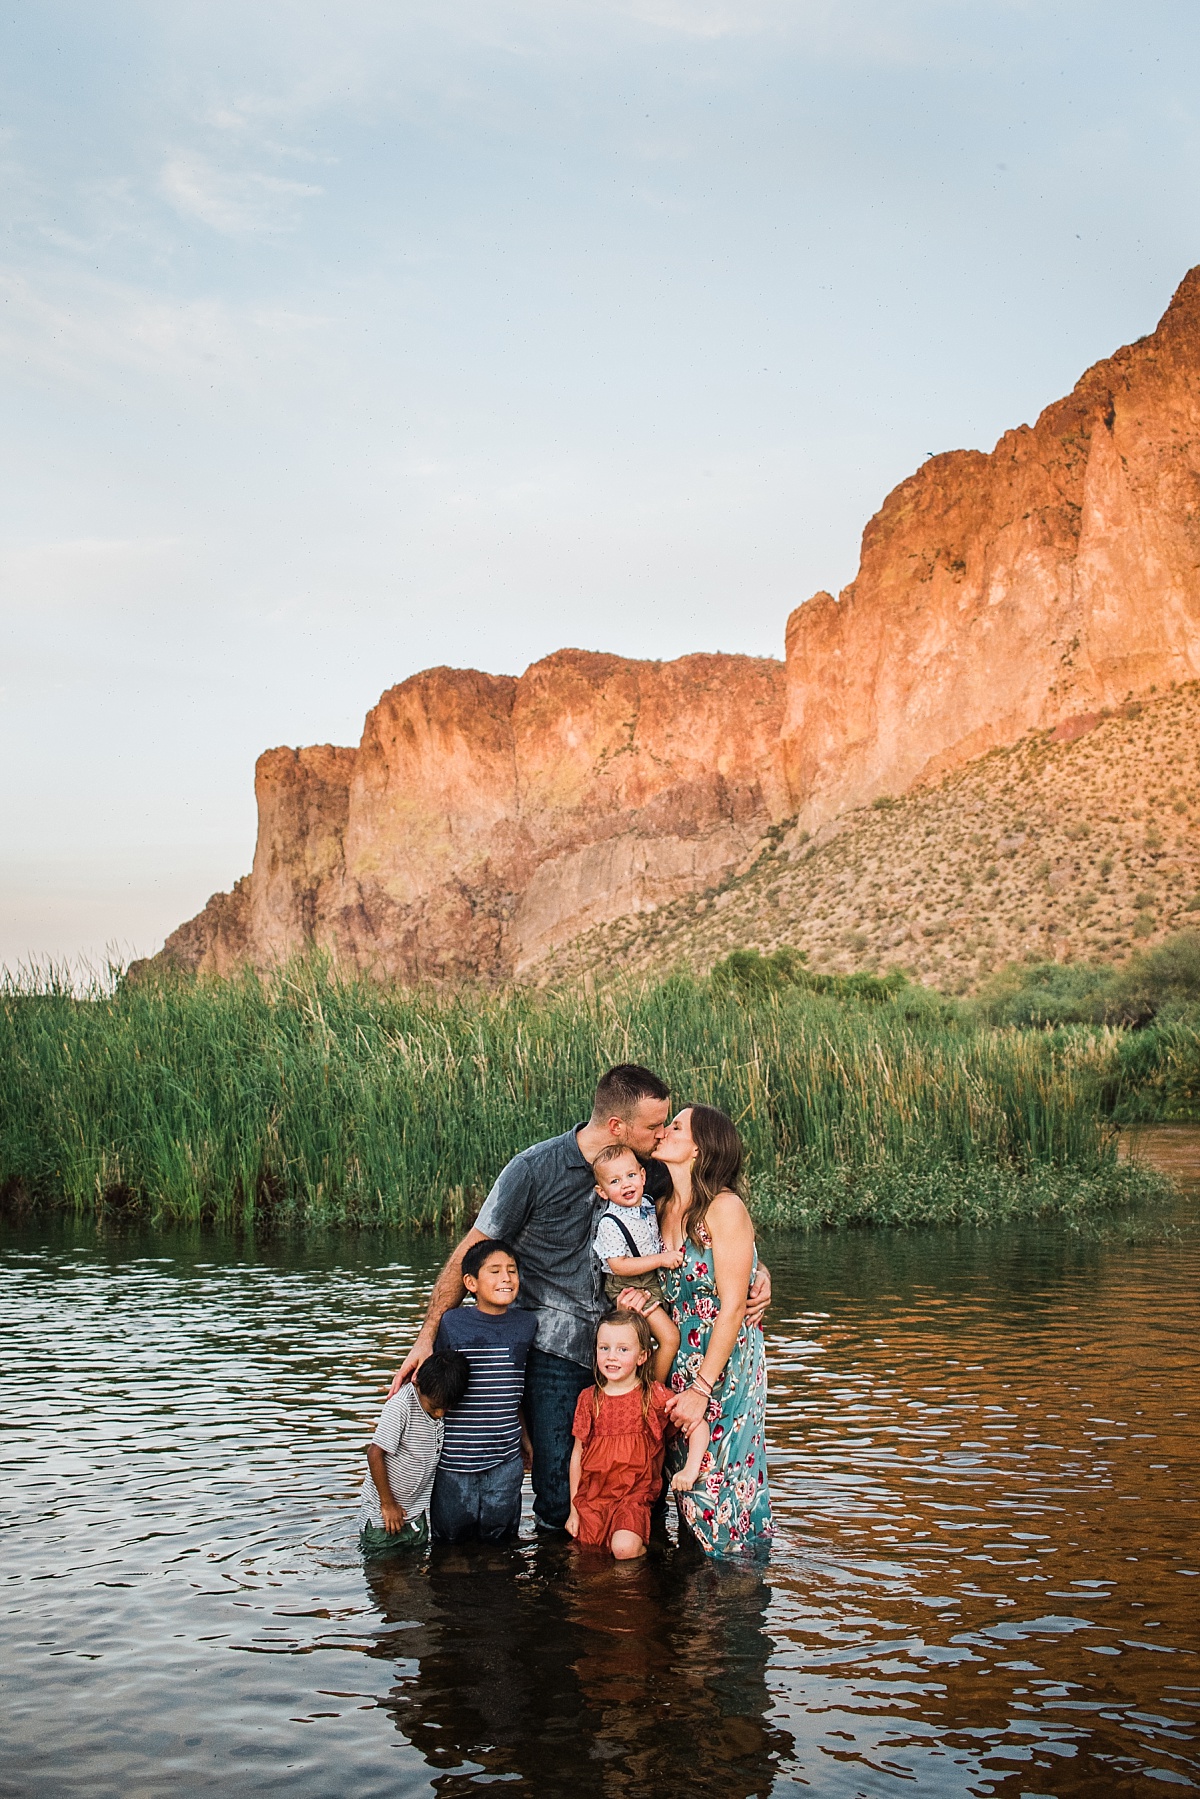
[622, 1462]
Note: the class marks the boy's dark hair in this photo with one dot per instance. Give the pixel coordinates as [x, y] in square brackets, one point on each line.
[619, 1091]
[478, 1254]
[443, 1377]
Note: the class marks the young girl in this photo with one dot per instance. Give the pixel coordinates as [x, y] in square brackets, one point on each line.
[620, 1429]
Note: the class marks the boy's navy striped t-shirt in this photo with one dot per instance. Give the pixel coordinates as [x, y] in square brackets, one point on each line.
[484, 1430]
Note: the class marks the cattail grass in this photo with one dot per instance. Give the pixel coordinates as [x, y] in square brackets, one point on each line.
[309, 1096]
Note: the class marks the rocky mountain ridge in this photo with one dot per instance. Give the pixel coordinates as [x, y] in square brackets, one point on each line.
[487, 822]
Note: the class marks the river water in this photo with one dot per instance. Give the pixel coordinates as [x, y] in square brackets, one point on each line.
[985, 1462]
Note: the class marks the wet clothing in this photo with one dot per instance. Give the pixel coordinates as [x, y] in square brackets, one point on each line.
[545, 1204]
[484, 1428]
[375, 1541]
[729, 1508]
[552, 1386]
[411, 1442]
[622, 1463]
[484, 1506]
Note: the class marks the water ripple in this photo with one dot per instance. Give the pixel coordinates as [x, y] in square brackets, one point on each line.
[984, 1460]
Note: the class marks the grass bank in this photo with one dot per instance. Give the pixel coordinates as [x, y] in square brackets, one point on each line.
[301, 1096]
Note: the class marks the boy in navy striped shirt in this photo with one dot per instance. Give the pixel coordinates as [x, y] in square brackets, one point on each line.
[477, 1492]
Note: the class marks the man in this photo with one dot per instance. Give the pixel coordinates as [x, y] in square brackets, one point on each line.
[544, 1204]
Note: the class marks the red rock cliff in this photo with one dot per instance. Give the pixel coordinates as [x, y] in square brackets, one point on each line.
[1006, 592]
[486, 820]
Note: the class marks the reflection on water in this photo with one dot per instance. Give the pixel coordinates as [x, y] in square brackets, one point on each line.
[987, 1578]
[583, 1679]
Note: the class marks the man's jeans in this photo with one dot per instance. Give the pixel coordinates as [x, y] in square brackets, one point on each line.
[552, 1387]
[485, 1505]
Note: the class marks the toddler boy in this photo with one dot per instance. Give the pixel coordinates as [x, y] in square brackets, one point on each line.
[629, 1245]
[402, 1456]
[477, 1492]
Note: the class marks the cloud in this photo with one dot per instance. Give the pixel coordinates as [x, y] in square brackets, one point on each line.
[91, 333]
[237, 205]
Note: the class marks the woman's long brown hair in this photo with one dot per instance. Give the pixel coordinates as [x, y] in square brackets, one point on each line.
[641, 1330]
[717, 1168]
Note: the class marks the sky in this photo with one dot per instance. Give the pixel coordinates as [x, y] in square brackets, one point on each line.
[338, 342]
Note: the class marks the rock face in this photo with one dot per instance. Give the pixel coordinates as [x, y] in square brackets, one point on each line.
[1006, 592]
[485, 821]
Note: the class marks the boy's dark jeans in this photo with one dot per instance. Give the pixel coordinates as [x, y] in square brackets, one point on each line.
[552, 1387]
[485, 1506]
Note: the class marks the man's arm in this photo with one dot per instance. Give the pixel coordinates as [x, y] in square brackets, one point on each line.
[503, 1213]
[759, 1296]
[447, 1293]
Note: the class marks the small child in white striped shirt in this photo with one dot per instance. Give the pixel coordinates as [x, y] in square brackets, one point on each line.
[402, 1456]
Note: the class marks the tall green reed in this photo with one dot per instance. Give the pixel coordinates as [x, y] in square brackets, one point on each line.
[307, 1095]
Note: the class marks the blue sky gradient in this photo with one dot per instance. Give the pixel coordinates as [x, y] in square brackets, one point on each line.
[341, 342]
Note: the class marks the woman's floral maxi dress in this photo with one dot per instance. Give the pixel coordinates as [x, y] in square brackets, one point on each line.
[729, 1508]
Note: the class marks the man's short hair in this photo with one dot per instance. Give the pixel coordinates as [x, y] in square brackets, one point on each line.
[478, 1254]
[611, 1151]
[443, 1377]
[621, 1090]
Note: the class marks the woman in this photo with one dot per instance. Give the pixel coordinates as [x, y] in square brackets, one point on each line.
[721, 1369]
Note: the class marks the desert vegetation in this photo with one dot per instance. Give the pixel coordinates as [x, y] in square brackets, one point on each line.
[1078, 845]
[302, 1096]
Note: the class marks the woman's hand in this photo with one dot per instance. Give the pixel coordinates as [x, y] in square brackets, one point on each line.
[572, 1525]
[634, 1299]
[687, 1408]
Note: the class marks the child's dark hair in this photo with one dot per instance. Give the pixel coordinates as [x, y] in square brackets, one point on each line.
[640, 1328]
[478, 1254]
[443, 1377]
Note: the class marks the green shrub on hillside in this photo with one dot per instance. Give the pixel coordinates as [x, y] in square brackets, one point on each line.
[1162, 981]
[1048, 993]
[750, 972]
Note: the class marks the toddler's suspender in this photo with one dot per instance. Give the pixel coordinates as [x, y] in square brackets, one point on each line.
[627, 1234]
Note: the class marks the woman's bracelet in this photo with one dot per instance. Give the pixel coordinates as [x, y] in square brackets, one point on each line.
[702, 1386]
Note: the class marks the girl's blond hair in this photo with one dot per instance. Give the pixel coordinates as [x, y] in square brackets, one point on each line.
[641, 1330]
